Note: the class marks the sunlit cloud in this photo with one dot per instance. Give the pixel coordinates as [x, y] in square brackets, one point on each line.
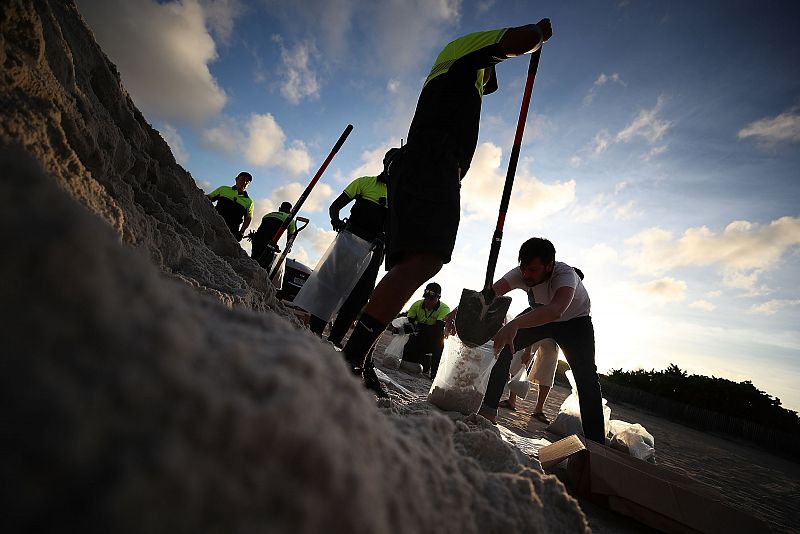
[163, 50]
[703, 305]
[783, 128]
[262, 142]
[605, 206]
[531, 199]
[175, 142]
[743, 249]
[601, 141]
[771, 307]
[665, 290]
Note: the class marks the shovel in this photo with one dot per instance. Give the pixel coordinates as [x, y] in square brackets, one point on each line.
[480, 313]
[272, 248]
[277, 265]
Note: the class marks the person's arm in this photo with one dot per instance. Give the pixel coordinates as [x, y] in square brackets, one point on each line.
[337, 206]
[247, 220]
[536, 317]
[212, 196]
[525, 39]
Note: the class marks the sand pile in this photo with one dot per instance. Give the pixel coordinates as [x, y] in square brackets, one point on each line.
[147, 386]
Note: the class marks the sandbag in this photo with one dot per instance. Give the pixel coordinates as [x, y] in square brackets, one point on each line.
[519, 385]
[463, 376]
[335, 275]
[568, 420]
[632, 438]
[393, 354]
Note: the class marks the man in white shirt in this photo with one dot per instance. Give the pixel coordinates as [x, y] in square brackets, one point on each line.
[564, 317]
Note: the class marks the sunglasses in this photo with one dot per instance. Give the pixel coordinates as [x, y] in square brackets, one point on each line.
[430, 294]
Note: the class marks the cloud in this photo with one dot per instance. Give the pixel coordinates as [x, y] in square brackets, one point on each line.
[220, 16]
[600, 142]
[173, 139]
[393, 85]
[665, 290]
[646, 125]
[783, 128]
[537, 127]
[531, 199]
[313, 242]
[402, 32]
[703, 305]
[261, 142]
[163, 50]
[598, 255]
[743, 249]
[300, 78]
[771, 307]
[601, 80]
[605, 206]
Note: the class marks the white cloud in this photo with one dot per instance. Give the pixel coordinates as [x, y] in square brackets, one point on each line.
[665, 290]
[783, 128]
[743, 249]
[600, 142]
[401, 31]
[601, 80]
[220, 16]
[371, 161]
[703, 305]
[300, 77]
[772, 307]
[605, 206]
[311, 244]
[537, 127]
[175, 142]
[163, 50]
[598, 255]
[646, 125]
[205, 185]
[393, 85]
[714, 294]
[531, 199]
[263, 144]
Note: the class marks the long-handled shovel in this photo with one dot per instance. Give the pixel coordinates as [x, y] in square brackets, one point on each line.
[480, 314]
[272, 247]
[300, 221]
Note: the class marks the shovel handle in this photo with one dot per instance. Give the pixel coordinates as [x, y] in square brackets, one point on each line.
[497, 238]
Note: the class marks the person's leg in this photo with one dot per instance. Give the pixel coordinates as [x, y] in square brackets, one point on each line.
[371, 380]
[317, 324]
[499, 376]
[387, 301]
[436, 359]
[576, 339]
[356, 300]
[543, 370]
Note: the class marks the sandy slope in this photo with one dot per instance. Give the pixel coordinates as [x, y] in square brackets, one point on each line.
[150, 381]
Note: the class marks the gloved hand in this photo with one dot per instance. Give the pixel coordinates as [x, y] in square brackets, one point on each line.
[545, 28]
[410, 328]
[238, 235]
[337, 224]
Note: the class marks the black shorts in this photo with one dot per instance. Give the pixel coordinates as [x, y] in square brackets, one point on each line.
[424, 200]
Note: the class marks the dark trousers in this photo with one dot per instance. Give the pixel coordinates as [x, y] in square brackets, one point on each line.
[358, 297]
[426, 348]
[576, 339]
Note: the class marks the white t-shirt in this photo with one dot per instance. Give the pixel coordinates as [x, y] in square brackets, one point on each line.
[563, 276]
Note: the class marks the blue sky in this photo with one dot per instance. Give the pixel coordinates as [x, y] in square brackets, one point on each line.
[661, 152]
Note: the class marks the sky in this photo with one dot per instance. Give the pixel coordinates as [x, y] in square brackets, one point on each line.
[661, 152]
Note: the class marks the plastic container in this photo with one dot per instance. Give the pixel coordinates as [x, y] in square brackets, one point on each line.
[335, 275]
[462, 377]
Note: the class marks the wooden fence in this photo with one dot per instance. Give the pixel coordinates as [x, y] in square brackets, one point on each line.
[702, 419]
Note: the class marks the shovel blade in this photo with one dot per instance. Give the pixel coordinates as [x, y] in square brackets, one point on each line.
[478, 321]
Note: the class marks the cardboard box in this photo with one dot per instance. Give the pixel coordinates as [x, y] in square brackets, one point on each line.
[652, 495]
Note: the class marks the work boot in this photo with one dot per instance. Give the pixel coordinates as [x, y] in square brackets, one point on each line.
[372, 382]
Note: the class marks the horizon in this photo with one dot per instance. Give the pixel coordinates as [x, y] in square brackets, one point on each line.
[660, 153]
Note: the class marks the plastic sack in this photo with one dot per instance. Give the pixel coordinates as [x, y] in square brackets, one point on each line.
[633, 439]
[335, 275]
[393, 354]
[463, 376]
[568, 420]
[519, 384]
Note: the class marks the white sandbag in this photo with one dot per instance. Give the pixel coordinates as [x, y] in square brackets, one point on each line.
[519, 385]
[633, 439]
[568, 420]
[393, 354]
[335, 275]
[463, 376]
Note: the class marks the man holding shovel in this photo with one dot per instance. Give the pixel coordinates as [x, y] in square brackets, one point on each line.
[424, 177]
[564, 317]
